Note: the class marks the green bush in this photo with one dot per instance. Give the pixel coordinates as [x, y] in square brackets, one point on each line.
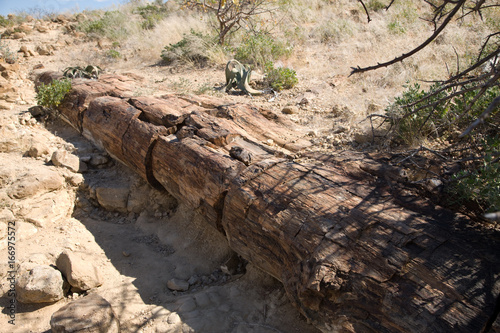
[441, 116]
[113, 25]
[480, 185]
[261, 48]
[5, 52]
[51, 95]
[151, 14]
[416, 123]
[280, 78]
[194, 48]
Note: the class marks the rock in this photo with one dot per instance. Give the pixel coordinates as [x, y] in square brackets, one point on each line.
[43, 50]
[26, 52]
[36, 111]
[90, 314]
[434, 185]
[174, 319]
[79, 270]
[18, 35]
[36, 181]
[41, 28]
[113, 197]
[25, 28]
[62, 158]
[41, 284]
[99, 160]
[75, 179]
[290, 109]
[177, 284]
[38, 149]
[138, 199]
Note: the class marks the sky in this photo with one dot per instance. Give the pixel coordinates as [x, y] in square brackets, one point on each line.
[53, 6]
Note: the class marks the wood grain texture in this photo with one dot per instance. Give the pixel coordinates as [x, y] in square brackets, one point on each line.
[355, 251]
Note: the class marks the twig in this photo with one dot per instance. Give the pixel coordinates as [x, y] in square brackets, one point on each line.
[493, 105]
[366, 11]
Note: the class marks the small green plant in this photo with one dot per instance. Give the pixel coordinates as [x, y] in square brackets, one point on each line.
[114, 25]
[114, 54]
[396, 28]
[51, 95]
[194, 48]
[261, 48]
[5, 53]
[280, 78]
[151, 14]
[415, 123]
[480, 185]
[375, 5]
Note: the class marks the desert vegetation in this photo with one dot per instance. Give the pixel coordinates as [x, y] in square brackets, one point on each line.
[438, 76]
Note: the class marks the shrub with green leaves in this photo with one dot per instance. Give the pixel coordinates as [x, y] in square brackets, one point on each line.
[258, 49]
[481, 184]
[280, 78]
[51, 95]
[5, 52]
[415, 120]
[151, 15]
[112, 24]
[194, 48]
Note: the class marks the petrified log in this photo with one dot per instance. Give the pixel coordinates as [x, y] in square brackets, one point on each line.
[353, 253]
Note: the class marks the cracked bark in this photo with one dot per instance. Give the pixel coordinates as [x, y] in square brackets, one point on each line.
[351, 256]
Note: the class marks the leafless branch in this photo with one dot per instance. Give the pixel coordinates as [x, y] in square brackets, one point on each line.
[449, 17]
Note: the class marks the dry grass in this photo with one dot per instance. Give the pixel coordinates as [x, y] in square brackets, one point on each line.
[328, 38]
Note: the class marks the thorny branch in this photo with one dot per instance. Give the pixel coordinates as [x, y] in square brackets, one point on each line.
[461, 92]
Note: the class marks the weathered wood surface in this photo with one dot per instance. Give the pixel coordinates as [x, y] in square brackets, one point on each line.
[353, 254]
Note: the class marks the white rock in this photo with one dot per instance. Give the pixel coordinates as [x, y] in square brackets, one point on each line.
[79, 270]
[41, 284]
[62, 158]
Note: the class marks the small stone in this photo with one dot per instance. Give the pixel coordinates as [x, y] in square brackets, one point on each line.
[90, 314]
[173, 319]
[125, 254]
[98, 160]
[18, 35]
[43, 50]
[290, 109]
[41, 284]
[177, 284]
[433, 185]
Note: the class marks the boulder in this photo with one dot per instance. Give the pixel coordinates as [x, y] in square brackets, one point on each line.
[63, 158]
[90, 314]
[113, 197]
[41, 284]
[36, 181]
[79, 270]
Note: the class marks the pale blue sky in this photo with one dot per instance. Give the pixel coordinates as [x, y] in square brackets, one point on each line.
[54, 6]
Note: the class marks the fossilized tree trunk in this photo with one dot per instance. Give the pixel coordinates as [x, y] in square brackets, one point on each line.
[353, 255]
